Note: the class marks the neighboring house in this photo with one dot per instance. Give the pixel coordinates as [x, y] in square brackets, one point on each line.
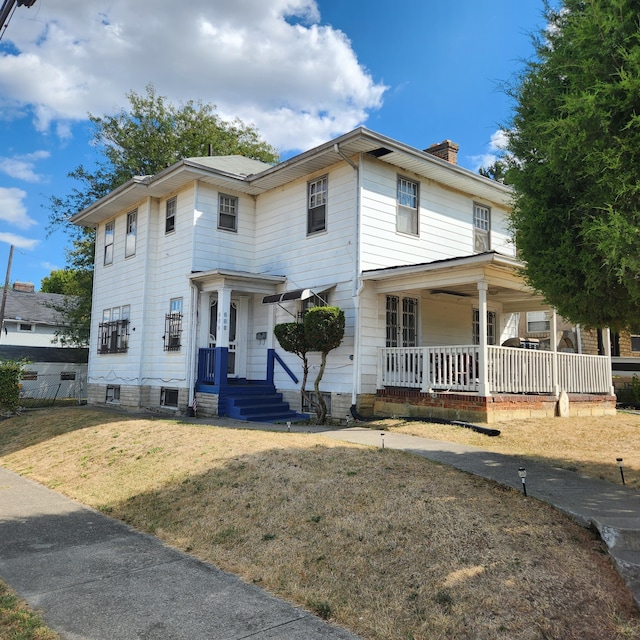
[195, 265]
[28, 334]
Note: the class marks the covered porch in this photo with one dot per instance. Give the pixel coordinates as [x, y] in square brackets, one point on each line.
[435, 370]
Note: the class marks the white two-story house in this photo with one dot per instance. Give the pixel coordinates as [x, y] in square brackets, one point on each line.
[195, 265]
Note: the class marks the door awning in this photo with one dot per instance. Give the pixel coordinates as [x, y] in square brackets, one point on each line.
[295, 294]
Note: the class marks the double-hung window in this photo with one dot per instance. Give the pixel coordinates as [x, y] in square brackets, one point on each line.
[113, 331]
[170, 215]
[130, 242]
[538, 321]
[402, 322]
[317, 191]
[408, 203]
[492, 325]
[227, 212]
[108, 242]
[173, 326]
[481, 227]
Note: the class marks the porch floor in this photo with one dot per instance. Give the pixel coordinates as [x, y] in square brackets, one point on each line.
[471, 407]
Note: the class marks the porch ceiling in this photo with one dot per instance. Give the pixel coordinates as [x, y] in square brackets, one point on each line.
[456, 280]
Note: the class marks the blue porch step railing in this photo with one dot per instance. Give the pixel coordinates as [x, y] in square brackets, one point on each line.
[253, 400]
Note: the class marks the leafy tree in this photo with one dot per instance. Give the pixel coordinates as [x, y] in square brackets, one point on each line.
[575, 137]
[322, 330]
[75, 308]
[144, 139]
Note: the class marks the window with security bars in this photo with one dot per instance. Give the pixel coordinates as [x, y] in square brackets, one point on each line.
[169, 397]
[317, 205]
[173, 326]
[407, 198]
[492, 319]
[113, 331]
[401, 321]
[481, 228]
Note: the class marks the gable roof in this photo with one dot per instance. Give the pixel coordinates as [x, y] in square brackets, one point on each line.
[35, 307]
[230, 172]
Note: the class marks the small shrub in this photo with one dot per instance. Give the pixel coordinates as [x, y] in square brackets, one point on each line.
[10, 373]
[321, 608]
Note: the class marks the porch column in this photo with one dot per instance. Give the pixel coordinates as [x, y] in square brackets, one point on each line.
[555, 384]
[606, 345]
[483, 383]
[204, 311]
[224, 312]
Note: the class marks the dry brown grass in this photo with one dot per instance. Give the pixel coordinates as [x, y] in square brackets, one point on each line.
[587, 445]
[385, 543]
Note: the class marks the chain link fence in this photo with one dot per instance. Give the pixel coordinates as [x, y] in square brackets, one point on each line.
[49, 389]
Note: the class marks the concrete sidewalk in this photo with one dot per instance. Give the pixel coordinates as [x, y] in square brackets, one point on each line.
[95, 578]
[614, 510]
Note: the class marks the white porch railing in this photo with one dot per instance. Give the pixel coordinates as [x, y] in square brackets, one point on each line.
[510, 370]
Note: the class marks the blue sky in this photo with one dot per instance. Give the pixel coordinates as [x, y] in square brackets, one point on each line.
[303, 71]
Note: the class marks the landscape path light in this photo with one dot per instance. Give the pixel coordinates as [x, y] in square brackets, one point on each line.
[619, 461]
[522, 472]
[382, 436]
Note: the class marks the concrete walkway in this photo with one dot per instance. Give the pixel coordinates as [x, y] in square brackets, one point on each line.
[95, 578]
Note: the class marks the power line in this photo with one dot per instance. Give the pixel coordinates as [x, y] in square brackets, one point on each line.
[7, 9]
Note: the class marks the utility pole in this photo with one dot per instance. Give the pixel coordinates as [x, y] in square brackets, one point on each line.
[6, 10]
[6, 289]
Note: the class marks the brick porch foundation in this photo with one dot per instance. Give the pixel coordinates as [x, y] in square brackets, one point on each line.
[474, 408]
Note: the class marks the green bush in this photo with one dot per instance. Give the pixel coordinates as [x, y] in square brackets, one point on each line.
[10, 374]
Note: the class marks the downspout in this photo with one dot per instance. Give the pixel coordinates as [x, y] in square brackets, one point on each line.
[191, 363]
[357, 284]
[145, 298]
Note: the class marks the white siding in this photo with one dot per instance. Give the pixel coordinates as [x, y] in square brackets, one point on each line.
[445, 222]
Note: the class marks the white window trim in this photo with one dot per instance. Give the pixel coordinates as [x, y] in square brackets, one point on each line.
[132, 232]
[481, 227]
[236, 205]
[404, 209]
[319, 198]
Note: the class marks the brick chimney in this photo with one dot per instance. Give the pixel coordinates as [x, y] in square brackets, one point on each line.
[446, 150]
[25, 287]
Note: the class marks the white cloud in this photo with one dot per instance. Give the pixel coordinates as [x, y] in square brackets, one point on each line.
[497, 145]
[13, 209]
[19, 241]
[269, 62]
[22, 167]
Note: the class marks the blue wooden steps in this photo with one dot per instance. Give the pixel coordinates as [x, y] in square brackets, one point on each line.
[255, 401]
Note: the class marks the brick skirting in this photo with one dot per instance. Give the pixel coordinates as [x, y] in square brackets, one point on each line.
[475, 408]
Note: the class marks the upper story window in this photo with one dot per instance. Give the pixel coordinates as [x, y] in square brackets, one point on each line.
[130, 242]
[108, 242]
[170, 216]
[317, 204]
[173, 326]
[481, 227]
[227, 212]
[113, 331]
[23, 326]
[407, 199]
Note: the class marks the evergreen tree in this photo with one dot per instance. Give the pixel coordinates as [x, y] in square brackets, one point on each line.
[575, 140]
